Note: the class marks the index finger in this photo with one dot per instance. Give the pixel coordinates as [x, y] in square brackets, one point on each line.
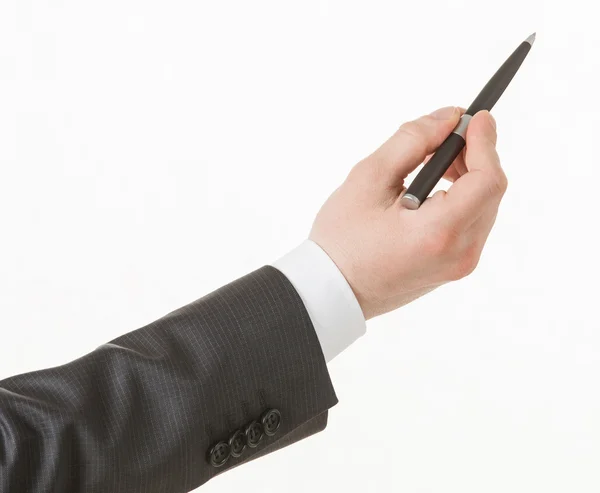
[484, 184]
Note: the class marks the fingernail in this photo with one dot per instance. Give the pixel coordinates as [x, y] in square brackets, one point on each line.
[444, 113]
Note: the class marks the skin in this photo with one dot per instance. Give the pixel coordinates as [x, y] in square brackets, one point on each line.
[390, 255]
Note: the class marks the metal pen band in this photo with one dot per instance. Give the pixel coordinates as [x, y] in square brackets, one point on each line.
[461, 128]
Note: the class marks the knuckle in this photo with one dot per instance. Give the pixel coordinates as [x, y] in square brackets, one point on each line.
[497, 185]
[465, 263]
[413, 132]
[503, 182]
[369, 170]
[411, 127]
[357, 170]
[440, 243]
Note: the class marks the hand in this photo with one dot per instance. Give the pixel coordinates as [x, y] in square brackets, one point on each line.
[391, 255]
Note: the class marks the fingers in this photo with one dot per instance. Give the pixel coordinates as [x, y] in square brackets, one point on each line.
[465, 214]
[413, 141]
[484, 183]
[456, 169]
[475, 239]
[461, 247]
[482, 227]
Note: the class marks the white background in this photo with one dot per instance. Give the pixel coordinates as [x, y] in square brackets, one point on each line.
[153, 151]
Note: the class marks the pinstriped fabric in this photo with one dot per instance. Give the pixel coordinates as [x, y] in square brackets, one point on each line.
[139, 414]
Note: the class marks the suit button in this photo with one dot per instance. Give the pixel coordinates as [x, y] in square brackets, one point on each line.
[237, 443]
[219, 454]
[254, 434]
[271, 421]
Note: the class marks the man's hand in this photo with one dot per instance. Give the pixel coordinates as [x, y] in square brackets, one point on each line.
[391, 255]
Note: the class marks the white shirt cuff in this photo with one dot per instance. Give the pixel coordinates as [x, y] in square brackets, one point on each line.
[329, 300]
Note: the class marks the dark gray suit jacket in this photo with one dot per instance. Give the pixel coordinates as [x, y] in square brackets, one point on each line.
[233, 376]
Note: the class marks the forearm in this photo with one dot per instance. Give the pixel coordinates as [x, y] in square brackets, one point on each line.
[142, 413]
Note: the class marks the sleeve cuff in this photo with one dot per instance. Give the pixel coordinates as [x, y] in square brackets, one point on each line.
[329, 300]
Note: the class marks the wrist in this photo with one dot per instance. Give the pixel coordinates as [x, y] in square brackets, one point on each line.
[349, 269]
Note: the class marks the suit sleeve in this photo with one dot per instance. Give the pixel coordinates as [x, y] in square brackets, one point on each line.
[226, 379]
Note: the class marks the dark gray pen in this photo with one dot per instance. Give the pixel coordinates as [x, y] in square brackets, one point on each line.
[432, 172]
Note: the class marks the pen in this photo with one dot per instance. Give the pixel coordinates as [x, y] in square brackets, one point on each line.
[445, 155]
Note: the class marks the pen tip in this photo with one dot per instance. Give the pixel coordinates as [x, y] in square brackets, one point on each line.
[531, 39]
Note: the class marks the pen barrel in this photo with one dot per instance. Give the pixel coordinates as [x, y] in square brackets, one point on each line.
[439, 163]
[496, 86]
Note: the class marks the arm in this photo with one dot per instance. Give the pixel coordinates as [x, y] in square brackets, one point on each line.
[142, 413]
